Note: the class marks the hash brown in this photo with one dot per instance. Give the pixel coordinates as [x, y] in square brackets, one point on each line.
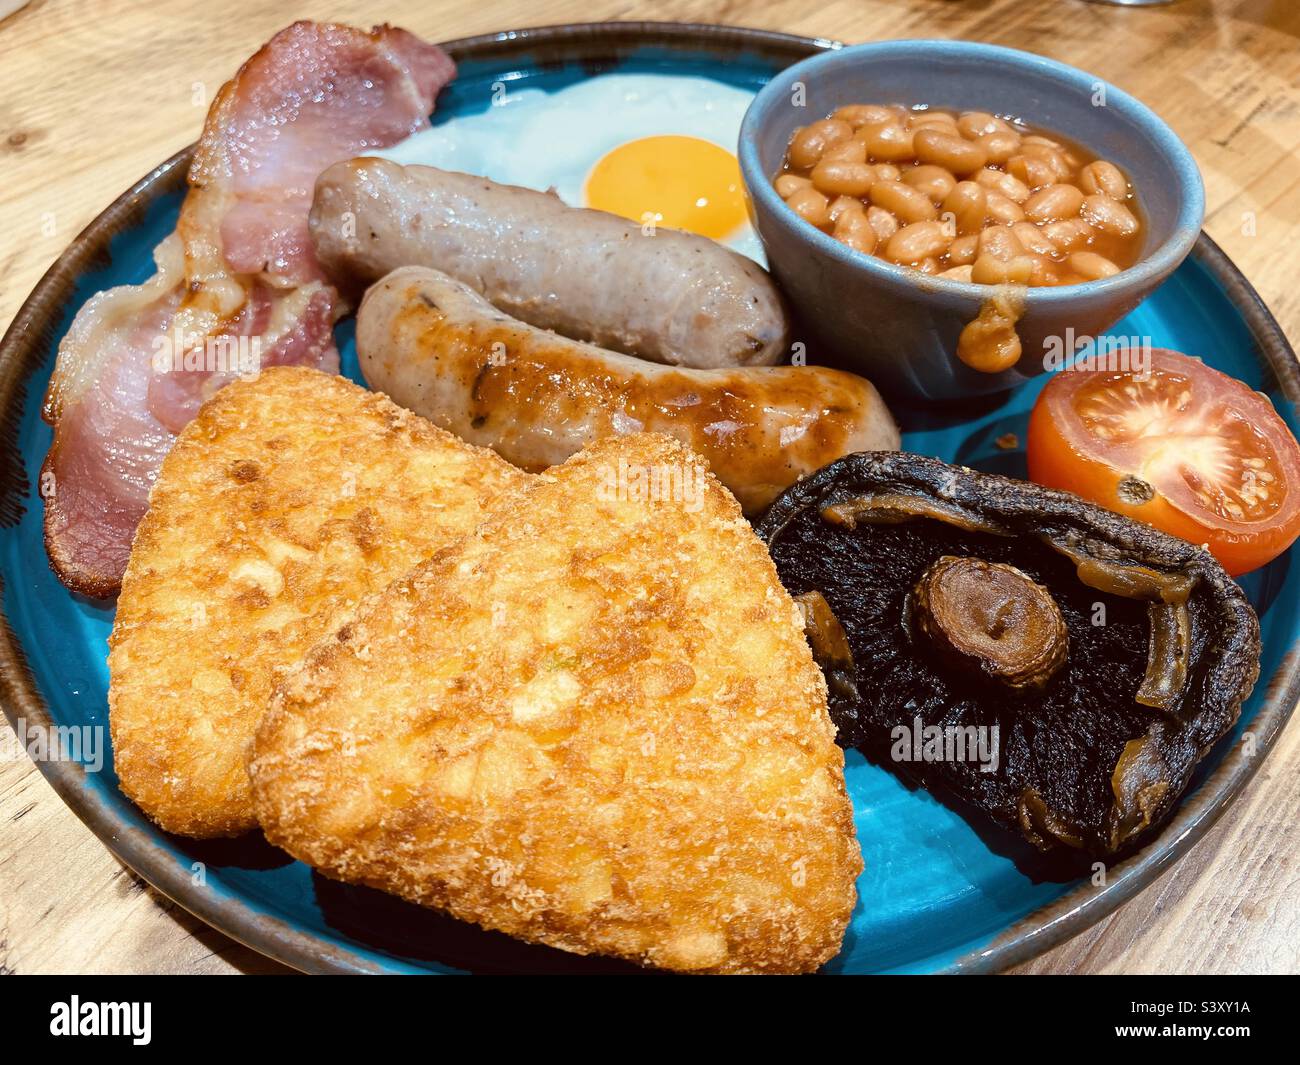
[593, 723]
[288, 498]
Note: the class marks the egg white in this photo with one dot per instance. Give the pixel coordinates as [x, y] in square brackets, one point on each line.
[551, 140]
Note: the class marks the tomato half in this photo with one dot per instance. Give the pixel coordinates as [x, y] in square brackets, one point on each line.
[1183, 447]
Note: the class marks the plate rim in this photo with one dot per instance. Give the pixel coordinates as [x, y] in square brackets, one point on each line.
[24, 348]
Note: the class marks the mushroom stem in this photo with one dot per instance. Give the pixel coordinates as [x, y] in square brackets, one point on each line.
[991, 618]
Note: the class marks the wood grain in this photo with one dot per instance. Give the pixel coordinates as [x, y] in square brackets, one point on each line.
[94, 93]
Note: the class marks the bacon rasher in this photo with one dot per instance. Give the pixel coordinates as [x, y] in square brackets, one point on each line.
[237, 284]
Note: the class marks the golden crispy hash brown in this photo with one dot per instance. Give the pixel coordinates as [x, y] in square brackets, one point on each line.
[593, 723]
[285, 501]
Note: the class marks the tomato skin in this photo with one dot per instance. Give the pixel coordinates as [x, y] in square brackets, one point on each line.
[1063, 454]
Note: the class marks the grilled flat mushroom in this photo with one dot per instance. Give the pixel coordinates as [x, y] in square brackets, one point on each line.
[1101, 657]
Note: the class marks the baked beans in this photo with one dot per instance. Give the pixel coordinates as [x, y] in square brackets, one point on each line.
[967, 195]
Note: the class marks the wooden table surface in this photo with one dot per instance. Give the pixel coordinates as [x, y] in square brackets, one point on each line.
[94, 93]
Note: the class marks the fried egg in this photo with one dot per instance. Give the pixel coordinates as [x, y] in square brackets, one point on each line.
[656, 148]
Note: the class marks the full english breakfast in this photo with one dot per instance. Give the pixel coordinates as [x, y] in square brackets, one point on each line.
[560, 626]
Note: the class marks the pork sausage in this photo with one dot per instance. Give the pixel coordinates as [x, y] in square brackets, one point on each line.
[660, 294]
[436, 346]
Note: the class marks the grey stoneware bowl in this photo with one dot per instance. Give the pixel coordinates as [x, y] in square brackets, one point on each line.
[900, 327]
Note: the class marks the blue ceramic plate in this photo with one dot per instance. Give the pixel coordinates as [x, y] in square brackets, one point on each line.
[938, 893]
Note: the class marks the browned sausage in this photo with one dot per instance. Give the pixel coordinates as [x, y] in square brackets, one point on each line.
[436, 346]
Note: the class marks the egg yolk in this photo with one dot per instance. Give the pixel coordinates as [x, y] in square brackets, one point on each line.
[679, 182]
